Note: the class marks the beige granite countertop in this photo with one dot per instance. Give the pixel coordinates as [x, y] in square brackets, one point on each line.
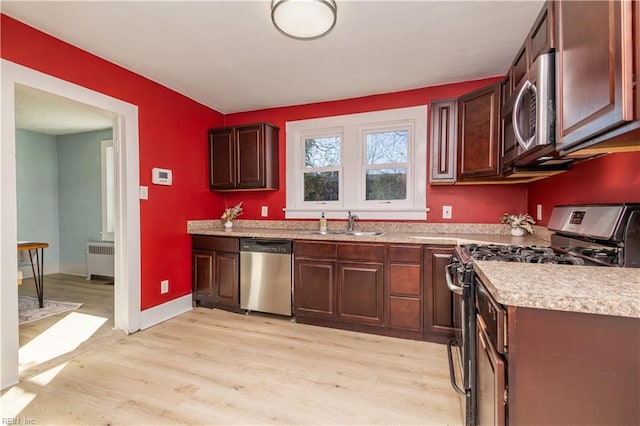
[588, 289]
[395, 232]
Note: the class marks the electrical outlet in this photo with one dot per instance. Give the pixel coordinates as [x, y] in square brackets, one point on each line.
[447, 212]
[265, 211]
[164, 286]
[539, 212]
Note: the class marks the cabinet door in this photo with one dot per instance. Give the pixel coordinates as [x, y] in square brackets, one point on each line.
[360, 292]
[444, 126]
[594, 69]
[478, 133]
[520, 66]
[226, 279]
[250, 159]
[490, 373]
[315, 288]
[542, 37]
[203, 278]
[221, 159]
[439, 299]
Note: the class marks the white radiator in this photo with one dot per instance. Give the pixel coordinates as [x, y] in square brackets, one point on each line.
[99, 259]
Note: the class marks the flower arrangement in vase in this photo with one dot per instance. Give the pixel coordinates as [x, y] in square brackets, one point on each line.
[230, 214]
[520, 224]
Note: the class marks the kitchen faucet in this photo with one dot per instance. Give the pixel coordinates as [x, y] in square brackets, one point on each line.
[351, 220]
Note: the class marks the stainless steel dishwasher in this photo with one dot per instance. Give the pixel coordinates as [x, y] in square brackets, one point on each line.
[265, 275]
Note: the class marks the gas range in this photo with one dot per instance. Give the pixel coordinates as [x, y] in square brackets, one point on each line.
[591, 235]
[542, 254]
[603, 235]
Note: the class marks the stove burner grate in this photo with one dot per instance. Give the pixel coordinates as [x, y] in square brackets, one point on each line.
[525, 254]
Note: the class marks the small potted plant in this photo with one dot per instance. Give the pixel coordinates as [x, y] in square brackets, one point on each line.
[230, 214]
[520, 224]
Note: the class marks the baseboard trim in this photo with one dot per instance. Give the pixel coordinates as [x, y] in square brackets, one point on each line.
[157, 314]
[27, 272]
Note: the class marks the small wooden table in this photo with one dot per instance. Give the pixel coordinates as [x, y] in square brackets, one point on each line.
[36, 256]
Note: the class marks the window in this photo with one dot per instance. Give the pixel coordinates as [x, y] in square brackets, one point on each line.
[370, 163]
[108, 190]
[321, 173]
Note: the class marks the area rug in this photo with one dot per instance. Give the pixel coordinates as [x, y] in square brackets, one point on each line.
[28, 308]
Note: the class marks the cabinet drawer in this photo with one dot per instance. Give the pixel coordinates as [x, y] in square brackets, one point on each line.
[405, 280]
[355, 251]
[314, 249]
[205, 242]
[405, 253]
[405, 312]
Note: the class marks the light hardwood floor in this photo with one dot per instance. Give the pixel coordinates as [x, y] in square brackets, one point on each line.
[214, 367]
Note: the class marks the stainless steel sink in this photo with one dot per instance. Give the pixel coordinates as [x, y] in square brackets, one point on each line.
[345, 232]
[365, 233]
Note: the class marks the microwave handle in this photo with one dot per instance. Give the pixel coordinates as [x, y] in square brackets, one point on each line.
[514, 115]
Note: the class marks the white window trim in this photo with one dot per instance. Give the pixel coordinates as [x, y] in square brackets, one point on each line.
[352, 127]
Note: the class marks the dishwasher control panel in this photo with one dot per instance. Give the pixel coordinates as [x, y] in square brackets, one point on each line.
[264, 245]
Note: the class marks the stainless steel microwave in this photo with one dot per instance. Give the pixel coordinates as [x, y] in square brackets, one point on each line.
[528, 117]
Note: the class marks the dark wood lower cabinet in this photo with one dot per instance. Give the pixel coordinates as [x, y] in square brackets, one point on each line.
[404, 287]
[360, 292]
[572, 368]
[438, 323]
[374, 288]
[216, 272]
[315, 288]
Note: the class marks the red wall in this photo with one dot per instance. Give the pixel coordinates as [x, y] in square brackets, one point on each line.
[172, 134]
[475, 204]
[612, 178]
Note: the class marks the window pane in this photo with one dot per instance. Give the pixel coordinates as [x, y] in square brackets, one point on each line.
[321, 186]
[386, 184]
[322, 152]
[387, 147]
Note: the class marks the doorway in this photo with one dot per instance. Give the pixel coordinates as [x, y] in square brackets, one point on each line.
[127, 224]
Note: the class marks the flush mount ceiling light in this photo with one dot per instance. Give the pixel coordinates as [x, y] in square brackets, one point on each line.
[303, 19]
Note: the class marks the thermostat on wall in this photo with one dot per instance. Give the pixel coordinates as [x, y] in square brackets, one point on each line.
[161, 176]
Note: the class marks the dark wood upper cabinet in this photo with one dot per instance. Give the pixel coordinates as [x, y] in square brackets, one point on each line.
[542, 37]
[479, 133]
[520, 65]
[243, 158]
[444, 127]
[636, 38]
[594, 68]
[540, 40]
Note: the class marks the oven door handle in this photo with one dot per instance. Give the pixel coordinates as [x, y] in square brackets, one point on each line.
[452, 373]
[454, 288]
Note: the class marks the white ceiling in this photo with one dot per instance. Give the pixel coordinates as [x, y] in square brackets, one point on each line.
[44, 112]
[227, 54]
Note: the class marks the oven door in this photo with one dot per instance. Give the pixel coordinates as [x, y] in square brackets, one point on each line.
[460, 282]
